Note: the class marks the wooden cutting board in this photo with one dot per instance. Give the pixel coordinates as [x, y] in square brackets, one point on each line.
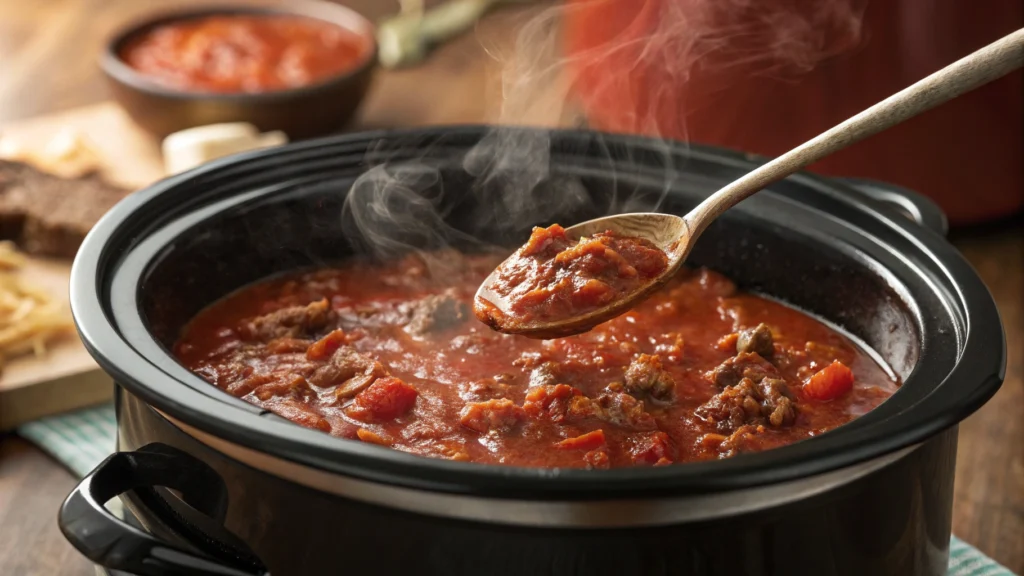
[66, 377]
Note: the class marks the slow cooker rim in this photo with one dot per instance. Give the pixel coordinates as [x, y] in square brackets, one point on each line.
[88, 307]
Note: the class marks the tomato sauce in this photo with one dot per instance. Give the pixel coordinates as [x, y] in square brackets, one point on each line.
[390, 354]
[238, 53]
[552, 278]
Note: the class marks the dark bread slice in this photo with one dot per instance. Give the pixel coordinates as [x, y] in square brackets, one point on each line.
[48, 215]
[13, 201]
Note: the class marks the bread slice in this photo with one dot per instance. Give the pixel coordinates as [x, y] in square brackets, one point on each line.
[48, 215]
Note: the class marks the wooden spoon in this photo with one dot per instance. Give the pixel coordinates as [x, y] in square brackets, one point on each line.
[676, 236]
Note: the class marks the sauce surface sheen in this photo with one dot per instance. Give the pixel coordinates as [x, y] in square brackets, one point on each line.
[391, 354]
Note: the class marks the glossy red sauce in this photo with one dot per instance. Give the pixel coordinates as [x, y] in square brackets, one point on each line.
[553, 278]
[237, 53]
[390, 354]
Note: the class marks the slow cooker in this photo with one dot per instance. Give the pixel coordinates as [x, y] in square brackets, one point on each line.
[219, 486]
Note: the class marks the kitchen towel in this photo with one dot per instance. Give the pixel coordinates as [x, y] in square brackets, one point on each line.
[82, 439]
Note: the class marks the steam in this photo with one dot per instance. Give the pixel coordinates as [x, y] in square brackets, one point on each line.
[402, 204]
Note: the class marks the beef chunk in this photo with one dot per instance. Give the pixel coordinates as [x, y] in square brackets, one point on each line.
[619, 409]
[436, 312]
[293, 322]
[744, 365]
[767, 401]
[756, 340]
[349, 370]
[646, 376]
[294, 386]
[493, 415]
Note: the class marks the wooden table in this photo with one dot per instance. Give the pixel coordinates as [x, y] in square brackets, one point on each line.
[47, 63]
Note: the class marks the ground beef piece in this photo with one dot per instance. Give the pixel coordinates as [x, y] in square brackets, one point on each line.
[294, 386]
[597, 459]
[646, 376]
[742, 440]
[349, 370]
[485, 389]
[756, 340]
[619, 409]
[780, 400]
[493, 415]
[748, 403]
[744, 365]
[436, 312]
[547, 374]
[293, 322]
[551, 401]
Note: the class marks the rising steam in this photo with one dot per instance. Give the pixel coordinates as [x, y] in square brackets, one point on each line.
[635, 62]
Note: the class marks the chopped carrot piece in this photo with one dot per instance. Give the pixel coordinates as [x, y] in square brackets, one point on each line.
[371, 437]
[324, 347]
[727, 343]
[588, 441]
[829, 383]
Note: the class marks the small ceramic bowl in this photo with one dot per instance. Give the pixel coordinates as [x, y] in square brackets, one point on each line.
[307, 111]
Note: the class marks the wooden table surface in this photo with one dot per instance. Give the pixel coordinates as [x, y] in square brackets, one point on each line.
[47, 63]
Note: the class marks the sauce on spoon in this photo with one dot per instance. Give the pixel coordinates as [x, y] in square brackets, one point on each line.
[553, 277]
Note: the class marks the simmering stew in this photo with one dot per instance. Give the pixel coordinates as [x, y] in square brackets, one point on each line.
[390, 354]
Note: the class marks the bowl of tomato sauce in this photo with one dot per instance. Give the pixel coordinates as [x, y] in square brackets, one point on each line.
[302, 67]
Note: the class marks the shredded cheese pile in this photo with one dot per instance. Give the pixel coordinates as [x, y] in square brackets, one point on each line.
[29, 317]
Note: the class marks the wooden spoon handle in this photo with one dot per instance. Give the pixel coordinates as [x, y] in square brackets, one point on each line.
[983, 66]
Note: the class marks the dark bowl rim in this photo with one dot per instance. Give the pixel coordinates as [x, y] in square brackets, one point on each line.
[118, 71]
[980, 363]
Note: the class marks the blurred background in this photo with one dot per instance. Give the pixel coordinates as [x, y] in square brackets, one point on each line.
[758, 76]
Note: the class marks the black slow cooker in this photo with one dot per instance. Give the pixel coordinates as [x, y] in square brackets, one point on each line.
[220, 486]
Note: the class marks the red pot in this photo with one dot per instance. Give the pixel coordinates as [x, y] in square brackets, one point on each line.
[764, 75]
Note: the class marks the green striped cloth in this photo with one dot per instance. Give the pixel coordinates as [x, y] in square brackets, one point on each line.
[81, 440]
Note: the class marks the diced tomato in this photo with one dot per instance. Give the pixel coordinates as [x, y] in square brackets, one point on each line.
[588, 441]
[324, 347]
[653, 450]
[387, 398]
[829, 383]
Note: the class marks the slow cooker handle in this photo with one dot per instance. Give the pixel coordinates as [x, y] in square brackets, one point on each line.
[918, 207]
[113, 543]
